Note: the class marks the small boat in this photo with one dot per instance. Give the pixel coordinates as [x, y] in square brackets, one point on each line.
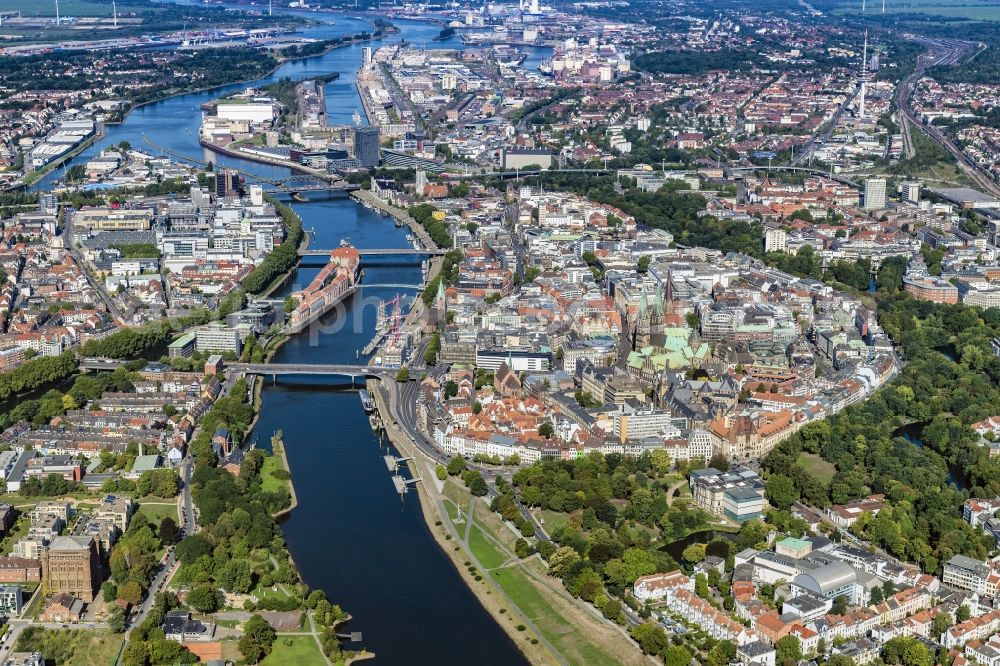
[366, 401]
[301, 198]
[345, 243]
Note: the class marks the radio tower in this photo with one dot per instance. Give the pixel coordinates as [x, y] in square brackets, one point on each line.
[57, 13]
[864, 78]
[114, 12]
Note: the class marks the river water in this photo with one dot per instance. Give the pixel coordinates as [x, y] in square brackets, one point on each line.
[350, 535]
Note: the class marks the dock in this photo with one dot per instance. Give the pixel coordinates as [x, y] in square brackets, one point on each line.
[392, 462]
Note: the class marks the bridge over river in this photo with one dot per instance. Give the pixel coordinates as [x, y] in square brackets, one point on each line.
[379, 252]
[352, 371]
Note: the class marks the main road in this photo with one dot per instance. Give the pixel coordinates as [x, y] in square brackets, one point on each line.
[165, 571]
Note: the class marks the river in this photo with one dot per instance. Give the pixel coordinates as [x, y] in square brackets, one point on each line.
[350, 535]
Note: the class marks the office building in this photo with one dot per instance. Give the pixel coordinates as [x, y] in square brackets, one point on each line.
[874, 193]
[218, 338]
[366, 146]
[520, 158]
[227, 183]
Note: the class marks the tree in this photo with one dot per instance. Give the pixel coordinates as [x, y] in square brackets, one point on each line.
[840, 603]
[643, 264]
[203, 599]
[637, 562]
[116, 621]
[907, 651]
[962, 613]
[651, 638]
[131, 592]
[941, 623]
[475, 482]
[780, 491]
[441, 472]
[719, 462]
[236, 576]
[257, 640]
[136, 654]
[456, 466]
[676, 655]
[546, 429]
[403, 374]
[694, 553]
[168, 531]
[191, 548]
[789, 650]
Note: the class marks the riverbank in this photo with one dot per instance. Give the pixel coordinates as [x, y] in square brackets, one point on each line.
[366, 198]
[357, 39]
[278, 452]
[38, 174]
[441, 528]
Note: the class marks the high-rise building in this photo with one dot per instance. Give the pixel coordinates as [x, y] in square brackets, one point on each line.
[256, 195]
[366, 146]
[874, 193]
[366, 56]
[72, 564]
[775, 240]
[910, 189]
[48, 203]
[227, 183]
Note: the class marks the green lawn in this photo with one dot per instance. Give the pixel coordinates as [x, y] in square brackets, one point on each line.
[19, 529]
[552, 520]
[484, 550]
[965, 9]
[268, 482]
[274, 592]
[157, 512]
[571, 642]
[456, 493]
[822, 470]
[69, 8]
[299, 650]
[452, 511]
[75, 647]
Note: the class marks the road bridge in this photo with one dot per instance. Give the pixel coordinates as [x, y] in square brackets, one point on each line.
[816, 172]
[390, 286]
[352, 371]
[379, 252]
[98, 363]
